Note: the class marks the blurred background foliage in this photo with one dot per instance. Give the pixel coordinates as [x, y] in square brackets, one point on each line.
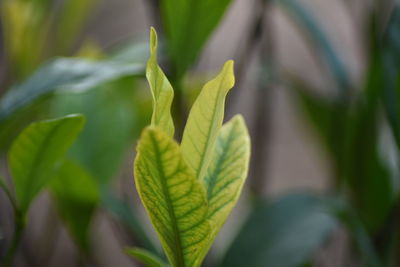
[318, 82]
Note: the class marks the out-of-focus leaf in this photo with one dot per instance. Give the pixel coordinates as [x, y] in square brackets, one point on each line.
[351, 138]
[346, 215]
[205, 121]
[73, 15]
[36, 152]
[311, 26]
[127, 215]
[284, 233]
[146, 257]
[227, 172]
[188, 25]
[64, 73]
[112, 125]
[76, 196]
[161, 90]
[174, 199]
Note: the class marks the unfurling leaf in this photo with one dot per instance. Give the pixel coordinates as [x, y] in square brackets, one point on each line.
[189, 190]
[161, 90]
[174, 199]
[205, 120]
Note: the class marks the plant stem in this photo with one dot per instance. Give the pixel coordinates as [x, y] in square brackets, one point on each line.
[18, 230]
[262, 107]
[8, 193]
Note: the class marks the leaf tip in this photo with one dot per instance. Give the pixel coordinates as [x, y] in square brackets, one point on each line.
[153, 41]
[228, 70]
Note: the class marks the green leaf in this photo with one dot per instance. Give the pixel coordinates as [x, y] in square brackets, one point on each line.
[76, 196]
[63, 73]
[205, 121]
[284, 233]
[145, 257]
[174, 199]
[161, 90]
[35, 153]
[188, 25]
[111, 106]
[227, 172]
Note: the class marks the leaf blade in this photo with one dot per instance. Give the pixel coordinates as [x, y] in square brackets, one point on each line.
[145, 257]
[227, 172]
[46, 143]
[161, 90]
[193, 18]
[173, 198]
[205, 121]
[76, 196]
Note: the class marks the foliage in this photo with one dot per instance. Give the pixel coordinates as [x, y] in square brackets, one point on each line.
[186, 207]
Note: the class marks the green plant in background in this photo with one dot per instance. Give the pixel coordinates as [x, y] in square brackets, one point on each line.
[189, 190]
[34, 159]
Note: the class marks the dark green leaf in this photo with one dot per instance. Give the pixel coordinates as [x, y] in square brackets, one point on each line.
[188, 25]
[284, 233]
[64, 73]
[112, 124]
[76, 196]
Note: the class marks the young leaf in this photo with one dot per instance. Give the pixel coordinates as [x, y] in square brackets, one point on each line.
[173, 197]
[36, 151]
[161, 90]
[76, 195]
[227, 172]
[145, 257]
[188, 24]
[205, 120]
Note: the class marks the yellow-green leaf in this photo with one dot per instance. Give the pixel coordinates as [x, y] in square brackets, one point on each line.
[174, 199]
[146, 257]
[205, 120]
[227, 172]
[161, 90]
[35, 153]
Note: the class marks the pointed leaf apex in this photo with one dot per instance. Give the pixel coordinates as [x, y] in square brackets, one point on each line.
[153, 41]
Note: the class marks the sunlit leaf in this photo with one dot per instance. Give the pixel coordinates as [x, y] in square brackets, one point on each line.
[35, 153]
[161, 90]
[188, 25]
[145, 257]
[227, 172]
[76, 195]
[205, 120]
[174, 199]
[284, 233]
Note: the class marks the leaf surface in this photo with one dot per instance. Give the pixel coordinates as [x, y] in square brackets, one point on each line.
[284, 233]
[36, 151]
[205, 121]
[161, 90]
[227, 172]
[146, 257]
[174, 199]
[76, 196]
[188, 25]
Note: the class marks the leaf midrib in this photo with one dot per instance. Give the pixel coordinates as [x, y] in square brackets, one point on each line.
[41, 151]
[178, 242]
[213, 179]
[202, 158]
